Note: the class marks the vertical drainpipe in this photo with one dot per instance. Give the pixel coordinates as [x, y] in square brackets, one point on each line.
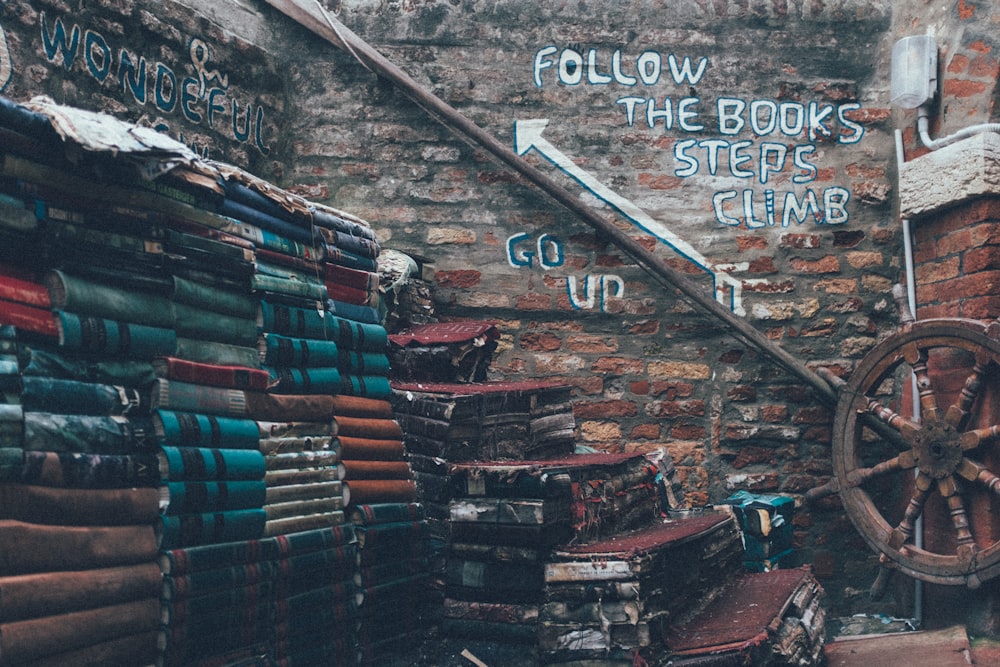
[911, 299]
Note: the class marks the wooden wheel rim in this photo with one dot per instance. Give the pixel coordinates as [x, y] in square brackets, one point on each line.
[930, 450]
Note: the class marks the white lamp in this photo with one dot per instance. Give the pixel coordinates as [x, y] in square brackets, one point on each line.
[914, 72]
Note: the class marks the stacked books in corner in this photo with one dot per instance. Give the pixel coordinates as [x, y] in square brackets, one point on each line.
[508, 518]
[612, 599]
[393, 581]
[190, 321]
[79, 583]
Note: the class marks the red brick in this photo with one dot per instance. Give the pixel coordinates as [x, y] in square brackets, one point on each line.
[750, 455]
[589, 385]
[856, 170]
[812, 415]
[731, 356]
[959, 88]
[984, 67]
[671, 390]
[973, 236]
[540, 342]
[458, 279]
[762, 482]
[645, 328]
[534, 301]
[742, 393]
[688, 432]
[828, 264]
[783, 287]
[958, 64]
[933, 272]
[744, 243]
[618, 366]
[981, 259]
[800, 241]
[938, 310]
[606, 261]
[837, 285]
[591, 344]
[848, 239]
[605, 409]
[660, 181]
[821, 434]
[826, 327]
[774, 413]
[639, 387]
[982, 308]
[762, 265]
[984, 283]
[693, 408]
[868, 115]
[646, 432]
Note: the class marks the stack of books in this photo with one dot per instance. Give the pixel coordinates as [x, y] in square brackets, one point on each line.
[212, 322]
[613, 599]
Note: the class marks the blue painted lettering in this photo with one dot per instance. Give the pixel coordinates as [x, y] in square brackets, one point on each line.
[570, 67]
[648, 67]
[212, 106]
[132, 77]
[606, 285]
[854, 131]
[542, 62]
[55, 44]
[616, 70]
[594, 77]
[189, 98]
[795, 208]
[98, 55]
[166, 88]
[197, 98]
[241, 134]
[515, 256]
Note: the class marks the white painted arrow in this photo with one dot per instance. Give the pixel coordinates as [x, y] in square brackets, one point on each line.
[528, 135]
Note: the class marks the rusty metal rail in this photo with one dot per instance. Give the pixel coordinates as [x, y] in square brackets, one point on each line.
[312, 16]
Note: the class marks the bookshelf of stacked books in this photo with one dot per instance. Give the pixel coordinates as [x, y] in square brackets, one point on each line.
[194, 375]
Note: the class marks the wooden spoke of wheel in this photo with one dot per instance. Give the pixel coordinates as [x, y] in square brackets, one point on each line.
[934, 455]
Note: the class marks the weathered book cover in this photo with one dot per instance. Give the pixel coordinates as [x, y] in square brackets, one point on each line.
[235, 377]
[49, 593]
[37, 638]
[516, 511]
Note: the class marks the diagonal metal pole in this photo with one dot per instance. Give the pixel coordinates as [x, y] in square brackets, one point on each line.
[312, 15]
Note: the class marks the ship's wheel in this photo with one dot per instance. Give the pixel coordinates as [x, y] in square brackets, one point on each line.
[941, 466]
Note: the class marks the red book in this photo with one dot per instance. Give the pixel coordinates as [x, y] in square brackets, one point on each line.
[348, 277]
[28, 318]
[366, 427]
[18, 286]
[352, 295]
[309, 266]
[216, 375]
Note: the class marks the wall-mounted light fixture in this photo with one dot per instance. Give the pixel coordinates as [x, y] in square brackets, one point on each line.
[913, 85]
[914, 72]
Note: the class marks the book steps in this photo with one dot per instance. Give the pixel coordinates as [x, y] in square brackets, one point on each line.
[614, 597]
[223, 336]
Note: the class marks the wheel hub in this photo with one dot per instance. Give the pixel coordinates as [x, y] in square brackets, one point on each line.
[937, 449]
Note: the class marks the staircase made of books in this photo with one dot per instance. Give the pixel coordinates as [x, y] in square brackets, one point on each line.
[543, 555]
